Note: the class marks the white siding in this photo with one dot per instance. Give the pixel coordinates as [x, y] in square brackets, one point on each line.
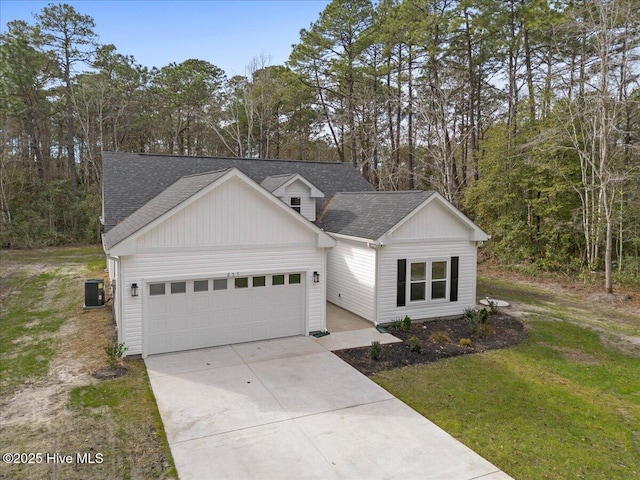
[141, 268]
[433, 221]
[308, 203]
[387, 288]
[231, 214]
[351, 270]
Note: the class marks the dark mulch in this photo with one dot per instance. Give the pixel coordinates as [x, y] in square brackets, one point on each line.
[439, 339]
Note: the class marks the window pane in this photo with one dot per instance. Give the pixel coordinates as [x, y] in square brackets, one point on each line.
[242, 282]
[294, 278]
[417, 291]
[277, 280]
[156, 289]
[178, 287]
[295, 201]
[439, 270]
[259, 281]
[439, 289]
[220, 284]
[201, 285]
[418, 271]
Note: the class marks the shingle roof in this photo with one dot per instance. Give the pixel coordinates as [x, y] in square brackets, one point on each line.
[369, 214]
[276, 181]
[130, 180]
[171, 197]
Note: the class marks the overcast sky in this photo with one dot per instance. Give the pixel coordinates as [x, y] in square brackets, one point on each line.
[227, 33]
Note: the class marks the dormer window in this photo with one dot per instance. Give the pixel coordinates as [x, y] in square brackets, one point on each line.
[296, 203]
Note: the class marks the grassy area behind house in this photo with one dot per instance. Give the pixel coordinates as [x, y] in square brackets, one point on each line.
[564, 404]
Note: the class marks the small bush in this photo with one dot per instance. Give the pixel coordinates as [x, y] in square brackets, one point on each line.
[115, 352]
[415, 345]
[486, 330]
[440, 337]
[483, 316]
[465, 342]
[375, 350]
[406, 324]
[493, 306]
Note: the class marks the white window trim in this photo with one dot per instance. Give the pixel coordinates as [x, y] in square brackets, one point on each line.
[428, 281]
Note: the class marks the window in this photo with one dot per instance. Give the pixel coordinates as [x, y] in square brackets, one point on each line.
[178, 287]
[242, 282]
[259, 281]
[156, 289]
[418, 281]
[201, 286]
[277, 280]
[432, 274]
[220, 284]
[294, 278]
[438, 280]
[296, 203]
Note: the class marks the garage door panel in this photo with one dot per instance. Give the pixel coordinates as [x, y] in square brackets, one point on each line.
[182, 321]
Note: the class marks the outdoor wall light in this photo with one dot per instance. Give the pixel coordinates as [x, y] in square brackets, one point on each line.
[316, 277]
[134, 289]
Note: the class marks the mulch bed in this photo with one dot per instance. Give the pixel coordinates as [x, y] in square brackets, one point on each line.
[439, 339]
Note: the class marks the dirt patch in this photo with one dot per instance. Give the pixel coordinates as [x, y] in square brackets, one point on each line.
[37, 417]
[438, 339]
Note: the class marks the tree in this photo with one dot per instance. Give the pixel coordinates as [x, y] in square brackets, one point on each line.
[70, 37]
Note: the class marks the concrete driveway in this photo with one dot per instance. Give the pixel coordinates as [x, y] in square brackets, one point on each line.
[289, 408]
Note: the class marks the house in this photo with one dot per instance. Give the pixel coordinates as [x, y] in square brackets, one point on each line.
[205, 251]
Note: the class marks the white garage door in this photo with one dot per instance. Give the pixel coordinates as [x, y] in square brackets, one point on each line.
[206, 312]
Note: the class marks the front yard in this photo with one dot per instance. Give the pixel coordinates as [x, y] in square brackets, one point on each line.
[563, 404]
[52, 409]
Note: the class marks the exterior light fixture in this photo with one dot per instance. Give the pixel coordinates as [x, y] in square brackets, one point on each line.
[316, 277]
[134, 289]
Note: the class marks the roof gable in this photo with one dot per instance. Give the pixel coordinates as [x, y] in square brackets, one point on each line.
[369, 215]
[185, 192]
[277, 184]
[130, 179]
[376, 216]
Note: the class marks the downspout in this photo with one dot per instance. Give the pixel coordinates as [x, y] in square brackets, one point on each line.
[118, 298]
[376, 249]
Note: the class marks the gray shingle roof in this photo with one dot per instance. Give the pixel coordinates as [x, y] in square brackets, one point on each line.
[130, 180]
[171, 197]
[369, 214]
[276, 181]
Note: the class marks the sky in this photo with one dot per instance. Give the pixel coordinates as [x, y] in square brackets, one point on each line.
[226, 33]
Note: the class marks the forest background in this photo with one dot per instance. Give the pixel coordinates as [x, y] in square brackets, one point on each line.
[525, 114]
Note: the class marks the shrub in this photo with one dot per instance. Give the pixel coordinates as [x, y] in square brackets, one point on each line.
[375, 350]
[415, 345]
[483, 316]
[493, 306]
[440, 337]
[486, 330]
[465, 342]
[115, 352]
[406, 324]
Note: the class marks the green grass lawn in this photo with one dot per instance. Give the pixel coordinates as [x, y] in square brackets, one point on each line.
[561, 405]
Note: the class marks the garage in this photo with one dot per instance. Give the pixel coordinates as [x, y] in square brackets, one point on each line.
[207, 312]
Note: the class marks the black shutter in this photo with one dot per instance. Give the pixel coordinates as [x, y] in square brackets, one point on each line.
[402, 283]
[453, 293]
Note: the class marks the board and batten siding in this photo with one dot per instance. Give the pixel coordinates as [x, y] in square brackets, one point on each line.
[433, 221]
[351, 271]
[231, 214]
[308, 204]
[151, 267]
[387, 287]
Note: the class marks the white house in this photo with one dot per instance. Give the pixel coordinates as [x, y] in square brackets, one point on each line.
[206, 251]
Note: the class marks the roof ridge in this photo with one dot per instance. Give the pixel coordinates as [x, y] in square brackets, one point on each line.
[287, 160]
[205, 173]
[385, 192]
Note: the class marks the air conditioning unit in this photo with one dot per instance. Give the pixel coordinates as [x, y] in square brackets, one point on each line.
[93, 294]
